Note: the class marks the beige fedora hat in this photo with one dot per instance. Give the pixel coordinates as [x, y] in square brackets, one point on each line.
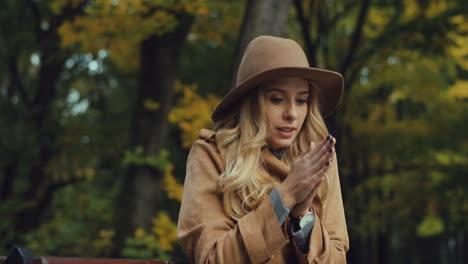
[267, 58]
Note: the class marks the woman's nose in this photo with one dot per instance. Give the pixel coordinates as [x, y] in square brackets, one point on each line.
[290, 112]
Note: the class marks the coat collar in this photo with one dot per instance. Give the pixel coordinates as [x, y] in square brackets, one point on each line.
[272, 164]
[207, 135]
[281, 170]
[275, 166]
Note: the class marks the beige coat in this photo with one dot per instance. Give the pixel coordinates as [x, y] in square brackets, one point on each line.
[208, 235]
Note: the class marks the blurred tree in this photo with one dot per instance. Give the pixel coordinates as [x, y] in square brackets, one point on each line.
[261, 17]
[401, 125]
[388, 52]
[29, 117]
[159, 57]
[159, 29]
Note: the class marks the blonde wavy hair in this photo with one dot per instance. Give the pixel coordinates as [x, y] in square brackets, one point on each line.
[241, 136]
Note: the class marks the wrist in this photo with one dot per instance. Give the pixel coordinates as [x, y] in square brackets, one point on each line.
[298, 215]
[285, 198]
[305, 218]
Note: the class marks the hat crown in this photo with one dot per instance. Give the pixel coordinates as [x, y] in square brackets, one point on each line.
[268, 52]
[267, 58]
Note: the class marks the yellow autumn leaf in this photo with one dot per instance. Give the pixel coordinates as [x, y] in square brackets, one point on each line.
[192, 112]
[151, 105]
[90, 173]
[171, 186]
[165, 231]
[139, 233]
[459, 90]
[431, 225]
[105, 233]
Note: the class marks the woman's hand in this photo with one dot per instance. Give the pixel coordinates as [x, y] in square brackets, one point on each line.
[307, 173]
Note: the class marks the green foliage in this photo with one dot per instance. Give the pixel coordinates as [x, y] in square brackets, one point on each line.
[143, 246]
[155, 244]
[151, 105]
[192, 112]
[431, 225]
[402, 124]
[79, 225]
[138, 158]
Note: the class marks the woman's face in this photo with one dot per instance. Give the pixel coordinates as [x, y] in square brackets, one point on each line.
[286, 108]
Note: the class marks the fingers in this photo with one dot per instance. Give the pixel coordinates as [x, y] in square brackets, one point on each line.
[319, 168]
[298, 210]
[323, 169]
[326, 147]
[327, 141]
[315, 188]
[311, 147]
[316, 157]
[307, 173]
[324, 160]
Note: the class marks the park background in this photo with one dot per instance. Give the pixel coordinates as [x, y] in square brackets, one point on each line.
[100, 102]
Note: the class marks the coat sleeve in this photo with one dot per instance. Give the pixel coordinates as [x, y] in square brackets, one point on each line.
[329, 240]
[206, 233]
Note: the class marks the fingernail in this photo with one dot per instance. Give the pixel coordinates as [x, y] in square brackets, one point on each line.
[330, 150]
[328, 163]
[328, 137]
[331, 139]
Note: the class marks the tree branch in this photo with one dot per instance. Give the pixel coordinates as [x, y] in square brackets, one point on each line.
[305, 29]
[36, 16]
[60, 184]
[69, 12]
[16, 83]
[348, 6]
[393, 31]
[356, 36]
[323, 28]
[45, 199]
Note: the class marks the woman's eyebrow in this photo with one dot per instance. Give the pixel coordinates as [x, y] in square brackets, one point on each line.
[283, 91]
[277, 90]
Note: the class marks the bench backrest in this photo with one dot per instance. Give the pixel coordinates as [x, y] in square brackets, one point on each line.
[61, 260]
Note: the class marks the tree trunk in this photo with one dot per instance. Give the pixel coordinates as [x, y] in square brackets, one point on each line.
[142, 194]
[41, 119]
[262, 17]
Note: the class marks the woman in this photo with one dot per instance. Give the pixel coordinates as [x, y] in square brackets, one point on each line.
[264, 187]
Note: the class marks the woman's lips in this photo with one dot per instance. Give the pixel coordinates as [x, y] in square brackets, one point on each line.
[286, 132]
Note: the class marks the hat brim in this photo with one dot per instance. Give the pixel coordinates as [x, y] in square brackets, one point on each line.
[330, 85]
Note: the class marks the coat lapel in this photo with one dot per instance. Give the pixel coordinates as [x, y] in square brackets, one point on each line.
[274, 166]
[280, 170]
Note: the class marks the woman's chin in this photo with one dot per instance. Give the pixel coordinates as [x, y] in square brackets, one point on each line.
[280, 143]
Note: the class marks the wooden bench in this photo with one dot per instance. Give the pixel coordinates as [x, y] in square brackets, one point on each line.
[61, 260]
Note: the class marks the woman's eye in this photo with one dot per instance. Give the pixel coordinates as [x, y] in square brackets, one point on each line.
[276, 100]
[301, 101]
